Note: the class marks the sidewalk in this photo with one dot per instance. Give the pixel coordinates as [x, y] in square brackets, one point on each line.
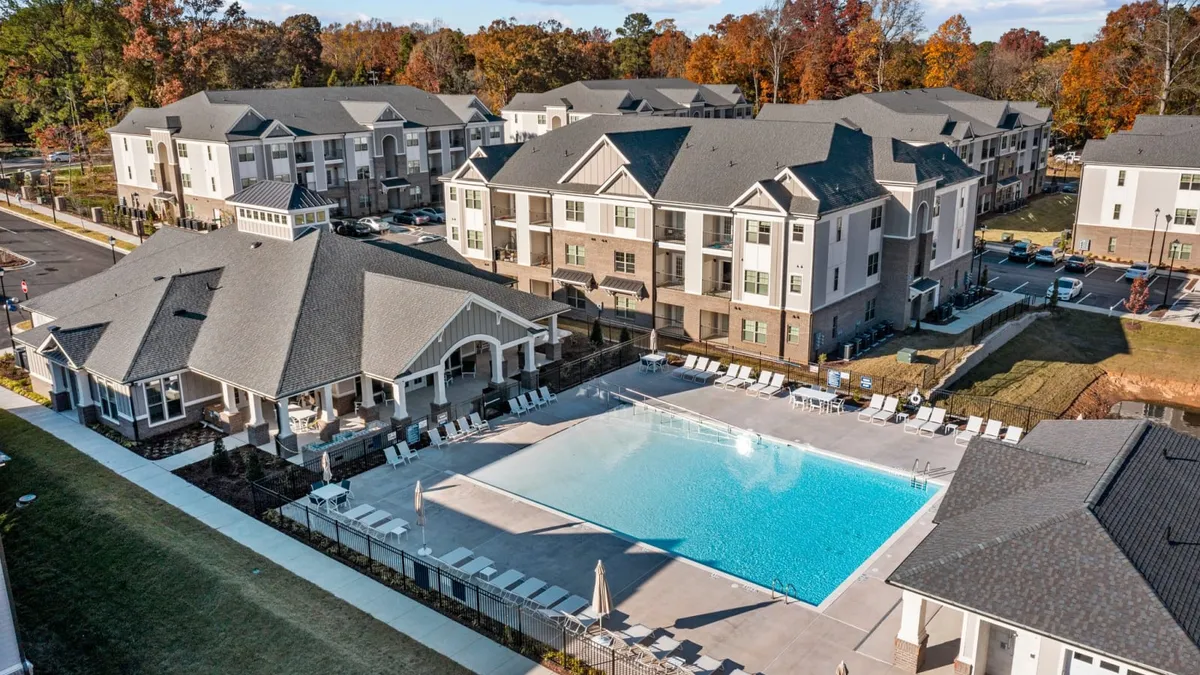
[70, 219]
[422, 624]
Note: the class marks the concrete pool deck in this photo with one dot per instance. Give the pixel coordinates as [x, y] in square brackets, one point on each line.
[706, 611]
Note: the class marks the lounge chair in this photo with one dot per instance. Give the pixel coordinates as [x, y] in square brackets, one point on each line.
[452, 433]
[686, 368]
[464, 429]
[537, 399]
[527, 588]
[658, 651]
[479, 424]
[704, 665]
[888, 412]
[453, 558]
[992, 430]
[873, 407]
[1013, 435]
[728, 376]
[698, 369]
[394, 526]
[745, 378]
[393, 459]
[516, 407]
[775, 387]
[764, 381]
[914, 423]
[528, 402]
[436, 438]
[407, 453]
[572, 605]
[632, 636]
[549, 597]
[974, 425]
[713, 370]
[506, 579]
[935, 424]
[547, 395]
[475, 566]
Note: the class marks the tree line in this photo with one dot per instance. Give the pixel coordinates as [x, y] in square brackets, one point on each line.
[72, 68]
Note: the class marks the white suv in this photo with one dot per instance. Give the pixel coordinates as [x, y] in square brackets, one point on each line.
[60, 156]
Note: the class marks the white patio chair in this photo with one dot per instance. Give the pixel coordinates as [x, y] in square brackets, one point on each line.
[974, 426]
[992, 430]
[700, 367]
[914, 423]
[713, 369]
[451, 432]
[775, 387]
[516, 407]
[728, 376]
[464, 429]
[764, 381]
[873, 407]
[547, 395]
[436, 438]
[745, 378]
[936, 421]
[537, 398]
[393, 459]
[837, 405]
[686, 368]
[406, 452]
[890, 404]
[1013, 435]
[528, 401]
[479, 424]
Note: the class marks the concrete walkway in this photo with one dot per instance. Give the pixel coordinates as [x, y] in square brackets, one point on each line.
[197, 454]
[70, 219]
[407, 616]
[966, 319]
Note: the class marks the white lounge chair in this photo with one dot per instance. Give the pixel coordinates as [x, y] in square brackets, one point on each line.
[451, 432]
[658, 651]
[714, 369]
[393, 460]
[533, 397]
[745, 378]
[728, 376]
[516, 407]
[696, 370]
[914, 423]
[992, 430]
[572, 605]
[453, 558]
[974, 426]
[407, 453]
[764, 381]
[395, 526]
[873, 407]
[508, 578]
[547, 395]
[686, 368]
[527, 401]
[464, 428]
[890, 404]
[436, 438]
[479, 424]
[934, 426]
[775, 387]
[549, 597]
[704, 665]
[1013, 435]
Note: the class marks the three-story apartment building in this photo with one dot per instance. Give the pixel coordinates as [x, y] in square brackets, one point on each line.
[778, 237]
[1006, 141]
[1139, 192]
[368, 149]
[529, 115]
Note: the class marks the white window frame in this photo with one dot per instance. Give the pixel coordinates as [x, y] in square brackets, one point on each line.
[574, 211]
[161, 383]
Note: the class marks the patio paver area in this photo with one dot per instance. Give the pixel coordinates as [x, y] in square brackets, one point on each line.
[706, 611]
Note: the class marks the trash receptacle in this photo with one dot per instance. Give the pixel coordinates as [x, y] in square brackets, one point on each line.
[906, 355]
[847, 351]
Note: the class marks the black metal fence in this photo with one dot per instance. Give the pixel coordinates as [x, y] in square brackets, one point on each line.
[1028, 303]
[511, 621]
[966, 405]
[562, 375]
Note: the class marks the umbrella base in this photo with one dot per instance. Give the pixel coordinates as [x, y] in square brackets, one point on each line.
[424, 551]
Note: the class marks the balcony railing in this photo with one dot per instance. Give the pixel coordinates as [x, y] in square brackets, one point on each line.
[304, 157]
[334, 154]
[506, 254]
[456, 140]
[720, 289]
[504, 213]
[336, 182]
[670, 325]
[719, 240]
[666, 233]
[713, 332]
[664, 280]
[539, 218]
[434, 141]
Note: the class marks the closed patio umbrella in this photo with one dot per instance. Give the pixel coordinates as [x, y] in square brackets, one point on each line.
[419, 508]
[842, 669]
[653, 340]
[326, 469]
[601, 600]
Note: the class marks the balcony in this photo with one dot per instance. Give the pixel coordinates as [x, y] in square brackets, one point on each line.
[664, 280]
[670, 325]
[304, 156]
[504, 213]
[718, 240]
[708, 332]
[718, 289]
[434, 141]
[539, 218]
[669, 233]
[456, 139]
[508, 254]
[334, 154]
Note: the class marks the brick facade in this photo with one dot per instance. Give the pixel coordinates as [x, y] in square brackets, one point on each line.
[961, 668]
[1133, 245]
[909, 657]
[599, 258]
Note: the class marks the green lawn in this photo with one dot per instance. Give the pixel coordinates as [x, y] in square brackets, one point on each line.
[1049, 364]
[1041, 222]
[107, 579]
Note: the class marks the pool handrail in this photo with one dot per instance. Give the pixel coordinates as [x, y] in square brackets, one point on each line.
[677, 409]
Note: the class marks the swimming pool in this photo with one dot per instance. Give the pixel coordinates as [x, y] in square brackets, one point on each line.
[757, 510]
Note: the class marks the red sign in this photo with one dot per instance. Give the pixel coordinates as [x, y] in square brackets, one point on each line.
[24, 286]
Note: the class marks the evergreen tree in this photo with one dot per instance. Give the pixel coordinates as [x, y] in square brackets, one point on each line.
[219, 462]
[597, 336]
[625, 336]
[254, 470]
[334, 80]
[360, 76]
[297, 78]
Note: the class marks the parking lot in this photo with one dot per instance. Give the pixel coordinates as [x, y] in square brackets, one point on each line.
[1103, 287]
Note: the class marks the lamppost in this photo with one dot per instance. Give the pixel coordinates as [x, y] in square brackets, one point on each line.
[1166, 231]
[6, 182]
[112, 245]
[1170, 271]
[1150, 255]
[139, 227]
[7, 316]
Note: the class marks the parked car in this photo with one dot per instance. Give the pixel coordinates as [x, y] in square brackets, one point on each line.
[60, 156]
[427, 238]
[353, 229]
[1069, 157]
[1022, 250]
[1068, 288]
[1070, 188]
[1080, 263]
[409, 218]
[434, 214]
[376, 224]
[1048, 255]
[1140, 270]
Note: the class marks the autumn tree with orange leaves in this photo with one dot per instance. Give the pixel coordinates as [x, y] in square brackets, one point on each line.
[669, 50]
[948, 53]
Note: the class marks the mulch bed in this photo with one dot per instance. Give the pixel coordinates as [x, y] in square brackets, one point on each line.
[177, 441]
[232, 487]
[10, 260]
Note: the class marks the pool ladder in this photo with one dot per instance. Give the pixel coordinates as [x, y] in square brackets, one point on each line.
[919, 479]
[785, 591]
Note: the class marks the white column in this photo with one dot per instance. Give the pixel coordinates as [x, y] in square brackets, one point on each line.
[85, 391]
[553, 329]
[328, 414]
[281, 412]
[972, 648]
[439, 385]
[255, 410]
[497, 363]
[912, 619]
[227, 397]
[529, 354]
[399, 402]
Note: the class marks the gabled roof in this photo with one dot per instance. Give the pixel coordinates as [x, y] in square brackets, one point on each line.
[271, 316]
[468, 108]
[921, 115]
[77, 343]
[279, 195]
[1087, 531]
[622, 96]
[399, 319]
[1155, 140]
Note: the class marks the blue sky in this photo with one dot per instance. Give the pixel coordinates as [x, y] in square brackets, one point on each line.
[1077, 20]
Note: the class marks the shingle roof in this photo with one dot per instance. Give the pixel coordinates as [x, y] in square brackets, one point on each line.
[614, 96]
[622, 285]
[284, 316]
[1166, 141]
[280, 195]
[306, 111]
[399, 319]
[927, 115]
[713, 162]
[1085, 532]
[77, 343]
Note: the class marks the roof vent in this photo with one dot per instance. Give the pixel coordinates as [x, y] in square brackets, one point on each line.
[256, 244]
[159, 278]
[52, 329]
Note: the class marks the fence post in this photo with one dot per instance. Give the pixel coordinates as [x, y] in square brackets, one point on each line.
[439, 586]
[369, 556]
[478, 606]
[520, 629]
[308, 519]
[337, 533]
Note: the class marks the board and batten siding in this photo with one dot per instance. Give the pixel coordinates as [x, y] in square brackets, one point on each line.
[475, 320]
[599, 167]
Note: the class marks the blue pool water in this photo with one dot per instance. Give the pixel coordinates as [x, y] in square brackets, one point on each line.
[756, 510]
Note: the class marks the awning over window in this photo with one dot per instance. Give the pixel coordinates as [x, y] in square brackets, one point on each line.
[574, 278]
[163, 197]
[921, 286]
[392, 183]
[623, 286]
[1005, 182]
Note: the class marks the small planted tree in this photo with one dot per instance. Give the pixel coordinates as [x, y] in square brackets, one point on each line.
[254, 470]
[334, 80]
[1139, 296]
[219, 462]
[983, 277]
[297, 78]
[1052, 302]
[597, 335]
